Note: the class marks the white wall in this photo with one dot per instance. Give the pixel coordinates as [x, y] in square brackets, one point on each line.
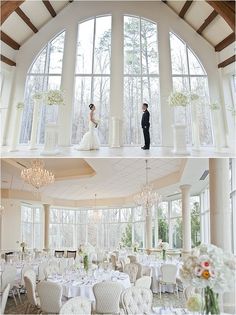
[11, 224]
[69, 18]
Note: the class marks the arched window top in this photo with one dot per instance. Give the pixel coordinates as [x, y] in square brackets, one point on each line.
[50, 59]
[184, 61]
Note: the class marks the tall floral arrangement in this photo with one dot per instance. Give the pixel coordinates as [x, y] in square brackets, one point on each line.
[55, 97]
[178, 99]
[135, 246]
[210, 269]
[163, 246]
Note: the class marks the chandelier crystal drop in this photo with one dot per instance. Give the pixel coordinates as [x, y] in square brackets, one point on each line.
[147, 197]
[37, 175]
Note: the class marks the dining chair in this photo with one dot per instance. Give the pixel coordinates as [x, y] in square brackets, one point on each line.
[107, 296]
[132, 270]
[41, 270]
[77, 305]
[71, 254]
[132, 258]
[30, 285]
[25, 268]
[144, 282]
[9, 276]
[168, 277]
[59, 253]
[5, 294]
[140, 270]
[50, 295]
[137, 301]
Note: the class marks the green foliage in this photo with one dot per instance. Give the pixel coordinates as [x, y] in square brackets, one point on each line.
[195, 224]
[126, 237]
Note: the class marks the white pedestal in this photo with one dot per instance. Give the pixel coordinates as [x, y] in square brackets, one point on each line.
[180, 140]
[35, 123]
[51, 140]
[195, 128]
[16, 132]
[115, 143]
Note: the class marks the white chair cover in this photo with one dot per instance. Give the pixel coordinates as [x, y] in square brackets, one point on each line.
[30, 285]
[50, 295]
[137, 301]
[107, 296]
[77, 305]
[132, 270]
[4, 298]
[144, 282]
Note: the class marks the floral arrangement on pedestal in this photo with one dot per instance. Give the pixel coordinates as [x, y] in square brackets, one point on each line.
[55, 97]
[163, 246]
[23, 246]
[210, 269]
[135, 246]
[84, 251]
[20, 106]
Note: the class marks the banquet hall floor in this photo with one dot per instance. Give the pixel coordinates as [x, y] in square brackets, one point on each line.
[24, 151]
[167, 300]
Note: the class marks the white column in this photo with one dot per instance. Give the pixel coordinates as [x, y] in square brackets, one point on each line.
[149, 230]
[165, 83]
[116, 85]
[170, 225]
[220, 214]
[46, 225]
[186, 217]
[67, 84]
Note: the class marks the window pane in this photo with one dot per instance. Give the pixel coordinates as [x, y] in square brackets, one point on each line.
[85, 47]
[56, 48]
[132, 62]
[149, 47]
[178, 55]
[102, 52]
[39, 64]
[194, 65]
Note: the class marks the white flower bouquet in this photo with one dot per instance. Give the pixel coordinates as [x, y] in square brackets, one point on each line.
[55, 97]
[38, 96]
[209, 268]
[135, 246]
[178, 99]
[163, 246]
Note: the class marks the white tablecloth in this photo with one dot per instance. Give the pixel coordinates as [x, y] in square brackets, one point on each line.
[84, 287]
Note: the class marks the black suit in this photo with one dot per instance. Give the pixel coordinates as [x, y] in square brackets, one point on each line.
[146, 125]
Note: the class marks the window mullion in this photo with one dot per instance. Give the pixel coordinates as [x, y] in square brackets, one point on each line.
[93, 60]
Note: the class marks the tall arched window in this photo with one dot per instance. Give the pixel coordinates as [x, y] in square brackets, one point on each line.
[141, 78]
[92, 81]
[188, 75]
[44, 74]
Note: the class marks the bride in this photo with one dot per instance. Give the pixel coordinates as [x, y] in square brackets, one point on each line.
[90, 140]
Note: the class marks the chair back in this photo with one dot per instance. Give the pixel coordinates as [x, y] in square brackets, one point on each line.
[8, 276]
[50, 270]
[132, 258]
[140, 270]
[132, 270]
[59, 253]
[144, 282]
[41, 272]
[113, 260]
[50, 295]
[77, 305]
[169, 273]
[30, 285]
[23, 271]
[137, 300]
[71, 254]
[4, 298]
[107, 296]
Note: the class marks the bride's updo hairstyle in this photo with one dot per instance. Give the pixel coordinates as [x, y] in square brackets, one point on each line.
[91, 106]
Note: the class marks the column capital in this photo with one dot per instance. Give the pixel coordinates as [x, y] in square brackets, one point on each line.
[185, 187]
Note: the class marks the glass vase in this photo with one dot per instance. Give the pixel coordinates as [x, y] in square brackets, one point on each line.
[164, 254]
[86, 263]
[211, 302]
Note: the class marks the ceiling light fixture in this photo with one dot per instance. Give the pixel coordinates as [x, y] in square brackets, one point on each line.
[147, 198]
[37, 175]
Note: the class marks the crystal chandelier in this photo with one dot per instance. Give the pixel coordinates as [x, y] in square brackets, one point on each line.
[37, 175]
[147, 198]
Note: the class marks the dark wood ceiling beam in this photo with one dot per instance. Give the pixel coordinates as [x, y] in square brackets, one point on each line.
[225, 42]
[7, 61]
[227, 62]
[49, 7]
[25, 18]
[7, 8]
[9, 41]
[185, 8]
[207, 21]
[226, 9]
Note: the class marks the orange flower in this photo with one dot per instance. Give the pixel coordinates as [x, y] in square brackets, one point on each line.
[206, 274]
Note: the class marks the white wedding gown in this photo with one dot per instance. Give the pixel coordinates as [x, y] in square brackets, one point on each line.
[90, 140]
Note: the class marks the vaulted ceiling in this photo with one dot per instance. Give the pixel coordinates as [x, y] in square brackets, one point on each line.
[214, 20]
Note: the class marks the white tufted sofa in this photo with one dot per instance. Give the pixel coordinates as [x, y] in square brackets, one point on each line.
[137, 301]
[77, 305]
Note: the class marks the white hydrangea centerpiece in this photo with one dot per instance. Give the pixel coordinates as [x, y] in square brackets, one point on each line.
[55, 97]
[178, 99]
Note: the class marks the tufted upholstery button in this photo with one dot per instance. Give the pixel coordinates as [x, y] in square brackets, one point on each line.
[137, 300]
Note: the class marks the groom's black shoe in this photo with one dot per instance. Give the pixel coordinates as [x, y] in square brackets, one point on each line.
[144, 148]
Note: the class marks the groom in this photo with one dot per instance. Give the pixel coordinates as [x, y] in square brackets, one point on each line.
[146, 125]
